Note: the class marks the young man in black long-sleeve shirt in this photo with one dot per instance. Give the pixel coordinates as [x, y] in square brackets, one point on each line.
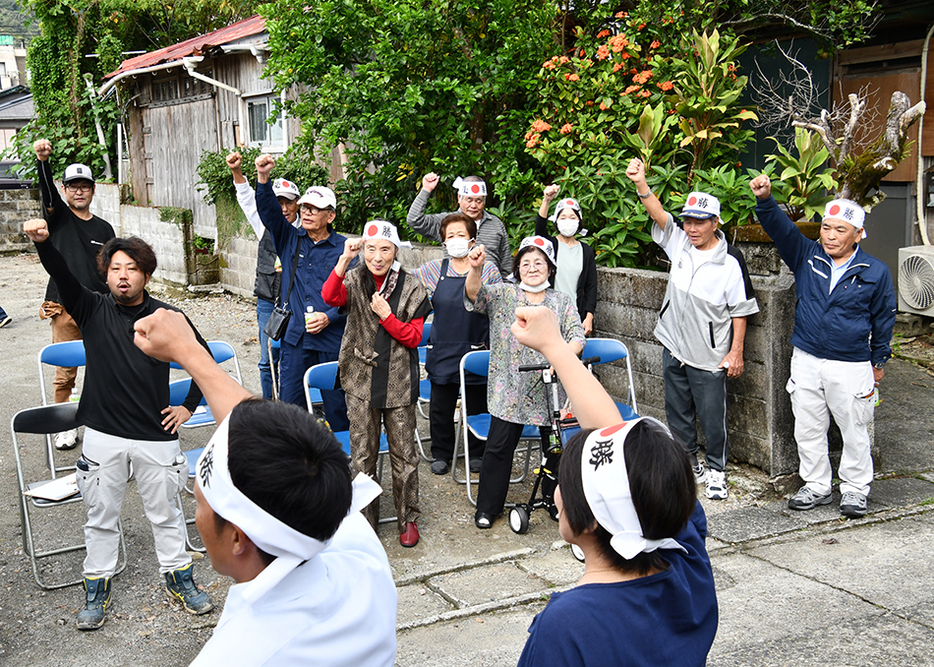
[78, 235]
[128, 421]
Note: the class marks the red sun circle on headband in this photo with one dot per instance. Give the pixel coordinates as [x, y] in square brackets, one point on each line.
[538, 241]
[569, 202]
[372, 230]
[286, 184]
[692, 201]
[612, 429]
[474, 189]
[834, 209]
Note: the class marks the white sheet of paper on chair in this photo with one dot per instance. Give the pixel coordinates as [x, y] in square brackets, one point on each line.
[57, 489]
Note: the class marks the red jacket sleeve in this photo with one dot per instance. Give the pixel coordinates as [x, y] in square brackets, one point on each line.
[407, 333]
[333, 291]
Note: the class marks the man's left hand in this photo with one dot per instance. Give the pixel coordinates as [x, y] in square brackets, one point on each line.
[733, 362]
[175, 417]
[317, 323]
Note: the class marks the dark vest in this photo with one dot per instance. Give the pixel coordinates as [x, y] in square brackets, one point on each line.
[268, 281]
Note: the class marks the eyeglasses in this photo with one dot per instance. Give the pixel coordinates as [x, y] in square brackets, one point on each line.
[83, 187]
[313, 210]
[538, 264]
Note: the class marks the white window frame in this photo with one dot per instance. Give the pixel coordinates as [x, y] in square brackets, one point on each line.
[278, 144]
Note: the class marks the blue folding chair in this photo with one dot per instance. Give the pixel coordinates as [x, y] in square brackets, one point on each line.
[178, 389]
[478, 363]
[424, 390]
[43, 420]
[324, 376]
[68, 354]
[610, 350]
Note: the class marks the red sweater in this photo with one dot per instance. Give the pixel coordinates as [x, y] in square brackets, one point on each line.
[408, 333]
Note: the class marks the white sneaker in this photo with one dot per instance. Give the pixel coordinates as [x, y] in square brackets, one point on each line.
[66, 439]
[700, 473]
[716, 485]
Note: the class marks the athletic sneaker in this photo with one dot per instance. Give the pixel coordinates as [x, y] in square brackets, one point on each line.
[5, 321]
[807, 499]
[66, 439]
[180, 586]
[98, 597]
[700, 474]
[853, 505]
[716, 485]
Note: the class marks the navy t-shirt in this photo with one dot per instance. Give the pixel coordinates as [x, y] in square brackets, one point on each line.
[668, 618]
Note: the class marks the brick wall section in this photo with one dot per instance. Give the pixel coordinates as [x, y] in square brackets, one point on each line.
[17, 206]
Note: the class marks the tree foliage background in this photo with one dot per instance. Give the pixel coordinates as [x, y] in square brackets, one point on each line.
[464, 87]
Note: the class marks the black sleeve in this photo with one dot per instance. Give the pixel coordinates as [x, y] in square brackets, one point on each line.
[541, 225]
[70, 291]
[193, 400]
[51, 199]
[588, 282]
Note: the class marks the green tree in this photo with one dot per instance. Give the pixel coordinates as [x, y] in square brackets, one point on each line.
[412, 86]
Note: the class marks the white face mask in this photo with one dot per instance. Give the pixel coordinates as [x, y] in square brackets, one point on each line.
[567, 226]
[457, 247]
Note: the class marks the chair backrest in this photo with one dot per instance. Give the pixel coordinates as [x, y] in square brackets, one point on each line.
[426, 332]
[609, 350]
[476, 362]
[68, 355]
[45, 419]
[222, 352]
[178, 391]
[321, 376]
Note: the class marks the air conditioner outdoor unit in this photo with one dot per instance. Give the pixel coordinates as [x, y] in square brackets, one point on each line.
[916, 280]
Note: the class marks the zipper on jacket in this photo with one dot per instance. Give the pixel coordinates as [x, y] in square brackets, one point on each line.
[664, 308]
[713, 343]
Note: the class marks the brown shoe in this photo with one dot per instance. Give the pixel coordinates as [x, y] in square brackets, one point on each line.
[410, 537]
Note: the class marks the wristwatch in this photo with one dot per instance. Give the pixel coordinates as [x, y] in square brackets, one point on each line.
[879, 366]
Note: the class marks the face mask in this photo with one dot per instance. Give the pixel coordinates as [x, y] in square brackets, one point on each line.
[567, 226]
[457, 248]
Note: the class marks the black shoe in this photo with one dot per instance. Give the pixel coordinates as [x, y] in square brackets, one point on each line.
[439, 467]
[475, 465]
[483, 520]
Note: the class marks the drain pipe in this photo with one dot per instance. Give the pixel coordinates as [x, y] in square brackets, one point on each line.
[919, 182]
[89, 82]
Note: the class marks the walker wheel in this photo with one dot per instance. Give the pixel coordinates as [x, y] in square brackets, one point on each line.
[577, 552]
[519, 520]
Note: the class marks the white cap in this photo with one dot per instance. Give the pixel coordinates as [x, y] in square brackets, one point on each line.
[606, 488]
[380, 229]
[319, 197]
[77, 172]
[847, 211]
[572, 204]
[469, 188]
[284, 188]
[540, 243]
[701, 206]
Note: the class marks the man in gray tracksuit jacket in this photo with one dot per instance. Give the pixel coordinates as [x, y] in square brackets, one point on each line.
[702, 323]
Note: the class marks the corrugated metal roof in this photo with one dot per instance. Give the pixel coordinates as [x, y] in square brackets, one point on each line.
[195, 46]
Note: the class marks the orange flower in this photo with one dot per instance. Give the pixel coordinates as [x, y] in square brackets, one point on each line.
[621, 15]
[603, 53]
[631, 89]
[604, 106]
[548, 65]
[655, 44]
[641, 26]
[533, 141]
[617, 67]
[624, 55]
[645, 93]
[566, 128]
[603, 33]
[666, 85]
[564, 59]
[588, 103]
[539, 125]
[618, 43]
[582, 53]
[573, 77]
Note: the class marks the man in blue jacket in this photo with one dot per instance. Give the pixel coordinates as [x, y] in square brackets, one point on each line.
[844, 316]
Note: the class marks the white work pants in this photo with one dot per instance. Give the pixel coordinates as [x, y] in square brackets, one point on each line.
[819, 388]
[160, 470]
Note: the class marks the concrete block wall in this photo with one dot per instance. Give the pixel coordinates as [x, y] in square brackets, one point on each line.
[166, 234]
[17, 206]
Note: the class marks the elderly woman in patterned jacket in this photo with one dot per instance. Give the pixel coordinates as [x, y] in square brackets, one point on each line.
[378, 362]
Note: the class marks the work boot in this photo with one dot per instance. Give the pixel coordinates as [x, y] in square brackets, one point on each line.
[180, 586]
[98, 597]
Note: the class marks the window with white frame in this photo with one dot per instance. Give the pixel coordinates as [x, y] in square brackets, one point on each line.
[262, 132]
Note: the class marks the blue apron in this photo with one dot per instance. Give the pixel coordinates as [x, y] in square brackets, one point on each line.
[454, 331]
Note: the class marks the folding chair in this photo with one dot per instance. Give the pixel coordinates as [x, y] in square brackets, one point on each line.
[324, 376]
[610, 350]
[42, 421]
[478, 363]
[424, 390]
[66, 355]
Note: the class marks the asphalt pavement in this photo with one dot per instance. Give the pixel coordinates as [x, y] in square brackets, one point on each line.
[793, 588]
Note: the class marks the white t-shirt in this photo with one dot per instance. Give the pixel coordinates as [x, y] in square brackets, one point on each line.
[570, 265]
[337, 609]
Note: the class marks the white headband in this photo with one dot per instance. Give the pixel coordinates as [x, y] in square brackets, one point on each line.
[606, 488]
[268, 533]
[380, 229]
[469, 188]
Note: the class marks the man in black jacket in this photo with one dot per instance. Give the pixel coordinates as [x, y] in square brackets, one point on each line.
[128, 421]
[78, 236]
